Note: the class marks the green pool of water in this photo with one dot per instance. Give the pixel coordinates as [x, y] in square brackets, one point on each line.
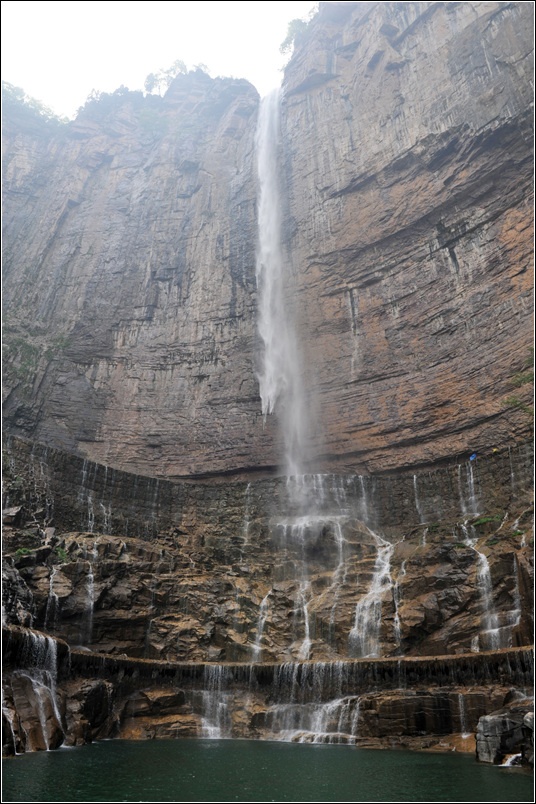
[243, 770]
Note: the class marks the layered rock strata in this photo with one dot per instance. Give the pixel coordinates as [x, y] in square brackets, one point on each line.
[231, 573]
[360, 702]
[129, 264]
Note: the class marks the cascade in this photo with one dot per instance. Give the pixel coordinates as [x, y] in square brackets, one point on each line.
[463, 716]
[466, 490]
[263, 616]
[86, 630]
[364, 639]
[493, 635]
[53, 604]
[36, 685]
[245, 531]
[216, 716]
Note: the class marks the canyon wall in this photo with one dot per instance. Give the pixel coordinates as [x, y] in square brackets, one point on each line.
[130, 239]
[145, 524]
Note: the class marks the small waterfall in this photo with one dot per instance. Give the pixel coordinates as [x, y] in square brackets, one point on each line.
[263, 616]
[40, 660]
[245, 531]
[9, 717]
[90, 514]
[492, 636]
[106, 512]
[53, 605]
[333, 722]
[463, 716]
[304, 594]
[397, 597]
[466, 491]
[86, 630]
[418, 506]
[364, 639]
[216, 720]
[311, 705]
[339, 576]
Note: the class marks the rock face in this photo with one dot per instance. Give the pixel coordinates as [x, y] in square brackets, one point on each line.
[129, 279]
[508, 731]
[386, 566]
[130, 243]
[409, 236]
[97, 696]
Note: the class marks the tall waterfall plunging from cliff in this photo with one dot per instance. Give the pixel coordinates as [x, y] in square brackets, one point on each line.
[317, 511]
[280, 383]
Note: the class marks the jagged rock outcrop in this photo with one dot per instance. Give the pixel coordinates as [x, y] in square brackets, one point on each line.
[509, 730]
[129, 264]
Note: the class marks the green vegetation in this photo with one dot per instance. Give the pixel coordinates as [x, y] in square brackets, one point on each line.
[515, 402]
[482, 520]
[518, 380]
[61, 555]
[23, 551]
[21, 356]
[58, 345]
[160, 81]
[15, 99]
[296, 31]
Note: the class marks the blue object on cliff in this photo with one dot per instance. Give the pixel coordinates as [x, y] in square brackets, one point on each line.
[472, 457]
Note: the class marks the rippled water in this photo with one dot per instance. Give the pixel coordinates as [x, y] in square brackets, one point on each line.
[243, 770]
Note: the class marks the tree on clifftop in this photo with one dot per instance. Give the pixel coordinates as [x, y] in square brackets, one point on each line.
[156, 82]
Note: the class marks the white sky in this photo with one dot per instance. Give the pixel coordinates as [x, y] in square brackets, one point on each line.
[59, 51]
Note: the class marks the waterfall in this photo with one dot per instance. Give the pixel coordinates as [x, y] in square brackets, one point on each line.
[53, 604]
[418, 506]
[309, 518]
[492, 636]
[37, 684]
[364, 639]
[468, 499]
[279, 378]
[86, 630]
[463, 717]
[245, 530]
[263, 615]
[216, 720]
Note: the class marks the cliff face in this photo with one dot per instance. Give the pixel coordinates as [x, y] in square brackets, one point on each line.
[129, 280]
[129, 266]
[408, 157]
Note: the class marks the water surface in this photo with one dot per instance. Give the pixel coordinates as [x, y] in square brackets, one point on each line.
[243, 770]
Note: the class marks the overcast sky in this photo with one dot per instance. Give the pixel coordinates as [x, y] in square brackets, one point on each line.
[59, 51]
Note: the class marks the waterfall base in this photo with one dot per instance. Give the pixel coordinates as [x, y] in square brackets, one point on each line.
[417, 703]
